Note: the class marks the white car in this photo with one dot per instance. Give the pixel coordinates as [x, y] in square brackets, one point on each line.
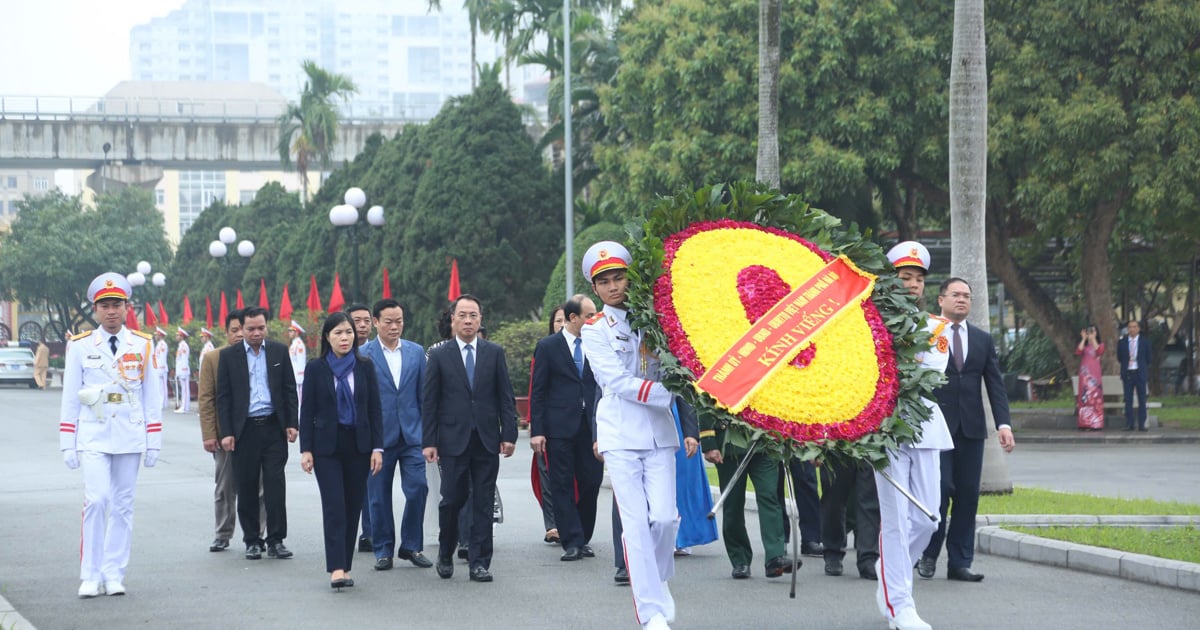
[16, 366]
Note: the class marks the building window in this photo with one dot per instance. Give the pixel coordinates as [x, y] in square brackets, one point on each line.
[160, 197]
[423, 65]
[12, 181]
[41, 184]
[197, 191]
[246, 197]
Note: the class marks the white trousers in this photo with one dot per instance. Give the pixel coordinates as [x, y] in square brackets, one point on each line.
[183, 392]
[643, 483]
[107, 533]
[904, 530]
[166, 389]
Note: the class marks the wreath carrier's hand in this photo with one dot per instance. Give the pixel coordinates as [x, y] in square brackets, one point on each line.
[714, 456]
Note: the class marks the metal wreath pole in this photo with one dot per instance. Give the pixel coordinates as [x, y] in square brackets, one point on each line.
[908, 495]
[793, 513]
[737, 474]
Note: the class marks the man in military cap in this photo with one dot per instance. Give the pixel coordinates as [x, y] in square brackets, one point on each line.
[183, 371]
[904, 532]
[298, 353]
[111, 417]
[160, 368]
[635, 434]
[206, 337]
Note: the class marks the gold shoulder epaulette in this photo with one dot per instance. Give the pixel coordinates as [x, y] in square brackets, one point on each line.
[141, 334]
[597, 316]
[939, 318]
[81, 335]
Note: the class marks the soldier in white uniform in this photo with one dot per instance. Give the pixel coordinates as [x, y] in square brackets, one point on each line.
[207, 336]
[183, 371]
[111, 416]
[635, 434]
[161, 369]
[299, 354]
[904, 530]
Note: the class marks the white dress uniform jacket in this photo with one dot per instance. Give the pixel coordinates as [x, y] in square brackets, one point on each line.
[935, 435]
[127, 414]
[299, 356]
[183, 356]
[634, 412]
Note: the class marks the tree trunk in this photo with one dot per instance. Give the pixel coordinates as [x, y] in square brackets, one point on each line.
[473, 60]
[968, 190]
[1096, 274]
[767, 167]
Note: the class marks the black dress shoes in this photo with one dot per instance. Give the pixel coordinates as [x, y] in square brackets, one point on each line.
[621, 577]
[254, 552]
[219, 544]
[445, 567]
[364, 545]
[383, 564]
[833, 566]
[587, 552]
[740, 571]
[277, 550]
[812, 549]
[571, 554]
[464, 553]
[964, 575]
[778, 565]
[417, 558]
[926, 567]
[480, 574]
[867, 572]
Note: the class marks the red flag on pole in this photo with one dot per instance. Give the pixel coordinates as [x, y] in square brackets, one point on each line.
[131, 318]
[314, 298]
[224, 309]
[262, 294]
[187, 311]
[162, 314]
[149, 317]
[285, 305]
[387, 285]
[454, 291]
[208, 313]
[240, 302]
[336, 301]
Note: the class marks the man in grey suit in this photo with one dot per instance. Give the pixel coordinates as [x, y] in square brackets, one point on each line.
[400, 366]
[469, 417]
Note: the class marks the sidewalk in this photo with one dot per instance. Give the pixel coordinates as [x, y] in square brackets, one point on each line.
[1156, 435]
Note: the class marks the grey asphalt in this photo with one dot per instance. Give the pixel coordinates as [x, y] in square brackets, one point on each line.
[174, 582]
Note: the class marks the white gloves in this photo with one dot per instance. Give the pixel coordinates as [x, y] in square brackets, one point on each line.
[151, 457]
[71, 458]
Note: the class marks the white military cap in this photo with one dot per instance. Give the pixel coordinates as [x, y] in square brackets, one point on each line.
[183, 332]
[205, 331]
[604, 256]
[160, 331]
[297, 327]
[909, 254]
[109, 285]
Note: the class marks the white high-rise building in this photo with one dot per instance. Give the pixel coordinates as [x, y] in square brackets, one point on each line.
[405, 60]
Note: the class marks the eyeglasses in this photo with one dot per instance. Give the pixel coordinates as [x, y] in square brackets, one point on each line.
[467, 316]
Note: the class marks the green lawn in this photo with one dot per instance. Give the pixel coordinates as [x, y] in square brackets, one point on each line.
[1038, 501]
[1174, 543]
[1181, 412]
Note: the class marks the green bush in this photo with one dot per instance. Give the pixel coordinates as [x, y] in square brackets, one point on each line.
[1034, 354]
[518, 338]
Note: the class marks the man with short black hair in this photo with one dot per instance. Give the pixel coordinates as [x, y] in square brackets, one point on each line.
[257, 411]
[1133, 353]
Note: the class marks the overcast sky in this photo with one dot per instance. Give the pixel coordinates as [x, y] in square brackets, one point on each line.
[70, 47]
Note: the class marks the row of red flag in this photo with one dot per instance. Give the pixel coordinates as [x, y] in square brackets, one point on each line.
[313, 303]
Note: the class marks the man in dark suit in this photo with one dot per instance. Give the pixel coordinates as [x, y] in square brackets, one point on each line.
[257, 410]
[469, 416]
[1133, 353]
[400, 368]
[561, 404]
[973, 363]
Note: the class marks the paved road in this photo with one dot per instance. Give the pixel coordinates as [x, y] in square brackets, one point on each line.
[175, 582]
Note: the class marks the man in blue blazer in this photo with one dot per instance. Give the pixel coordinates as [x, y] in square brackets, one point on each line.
[400, 368]
[469, 417]
[562, 402]
[1133, 353]
[973, 363]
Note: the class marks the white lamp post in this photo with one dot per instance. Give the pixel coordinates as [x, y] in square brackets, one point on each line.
[346, 216]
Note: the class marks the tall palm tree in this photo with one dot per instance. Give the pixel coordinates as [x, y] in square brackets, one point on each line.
[307, 130]
[968, 188]
[476, 10]
[767, 164]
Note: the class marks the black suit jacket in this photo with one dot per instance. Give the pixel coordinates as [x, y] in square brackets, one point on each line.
[961, 398]
[559, 399]
[233, 387]
[1143, 357]
[451, 408]
[318, 409]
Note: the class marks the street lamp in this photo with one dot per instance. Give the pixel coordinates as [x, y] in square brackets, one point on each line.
[346, 216]
[220, 247]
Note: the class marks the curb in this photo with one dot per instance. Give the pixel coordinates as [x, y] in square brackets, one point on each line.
[1129, 566]
[1093, 438]
[10, 619]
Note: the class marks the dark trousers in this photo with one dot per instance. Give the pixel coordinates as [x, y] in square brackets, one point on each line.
[473, 472]
[808, 502]
[763, 471]
[572, 465]
[1135, 381]
[842, 482]
[618, 544]
[259, 457]
[342, 480]
[961, 472]
[542, 463]
[415, 488]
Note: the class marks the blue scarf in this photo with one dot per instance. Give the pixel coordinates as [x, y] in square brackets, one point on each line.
[342, 369]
